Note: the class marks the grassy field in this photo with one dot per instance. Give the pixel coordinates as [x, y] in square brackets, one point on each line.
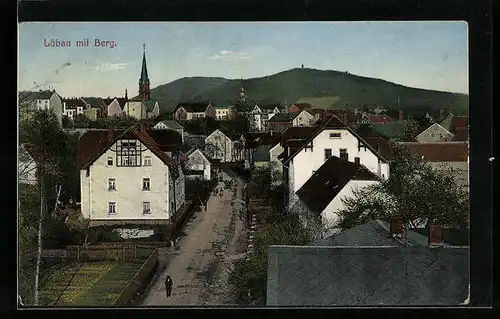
[86, 284]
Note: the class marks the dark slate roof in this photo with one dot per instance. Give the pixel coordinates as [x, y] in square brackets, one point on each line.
[262, 153]
[167, 140]
[381, 145]
[440, 151]
[94, 102]
[283, 117]
[357, 276]
[73, 102]
[172, 124]
[122, 101]
[197, 107]
[297, 133]
[253, 139]
[324, 185]
[36, 95]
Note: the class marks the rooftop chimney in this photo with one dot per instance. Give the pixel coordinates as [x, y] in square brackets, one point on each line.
[397, 226]
[401, 117]
[110, 134]
[435, 237]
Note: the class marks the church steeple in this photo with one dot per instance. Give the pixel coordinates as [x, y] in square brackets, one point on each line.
[144, 80]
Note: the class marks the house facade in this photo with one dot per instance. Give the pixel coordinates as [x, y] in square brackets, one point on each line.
[115, 106]
[128, 178]
[73, 107]
[321, 197]
[43, 100]
[303, 118]
[434, 133]
[445, 156]
[260, 116]
[219, 146]
[301, 161]
[198, 165]
[190, 111]
[95, 107]
[136, 108]
[222, 112]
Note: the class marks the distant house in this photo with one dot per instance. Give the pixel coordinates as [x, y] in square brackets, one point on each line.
[434, 133]
[375, 119]
[322, 115]
[73, 107]
[190, 111]
[27, 166]
[130, 176]
[369, 265]
[170, 125]
[279, 122]
[42, 100]
[136, 108]
[256, 139]
[115, 106]
[260, 116]
[301, 157]
[222, 112]
[320, 198]
[219, 146]
[153, 109]
[95, 107]
[445, 155]
[299, 107]
[198, 165]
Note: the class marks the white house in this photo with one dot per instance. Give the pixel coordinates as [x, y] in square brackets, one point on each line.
[222, 112]
[115, 106]
[197, 166]
[321, 197]
[434, 133]
[73, 107]
[260, 116]
[43, 100]
[301, 158]
[136, 108]
[128, 178]
[219, 146]
[27, 167]
[303, 118]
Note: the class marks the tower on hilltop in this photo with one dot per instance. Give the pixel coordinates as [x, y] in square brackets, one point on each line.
[144, 80]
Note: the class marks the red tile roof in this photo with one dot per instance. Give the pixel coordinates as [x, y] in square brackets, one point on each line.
[461, 135]
[440, 151]
[459, 123]
[380, 118]
[93, 143]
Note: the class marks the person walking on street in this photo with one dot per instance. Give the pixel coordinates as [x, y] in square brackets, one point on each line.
[168, 286]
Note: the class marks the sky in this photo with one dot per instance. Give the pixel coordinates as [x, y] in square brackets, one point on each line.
[429, 55]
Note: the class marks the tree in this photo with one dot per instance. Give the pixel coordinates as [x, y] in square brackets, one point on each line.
[414, 190]
[409, 132]
[249, 277]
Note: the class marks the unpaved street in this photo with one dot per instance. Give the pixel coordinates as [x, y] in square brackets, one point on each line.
[199, 265]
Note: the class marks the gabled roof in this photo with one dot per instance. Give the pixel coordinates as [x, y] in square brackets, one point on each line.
[36, 95]
[94, 102]
[324, 185]
[435, 125]
[335, 123]
[371, 276]
[172, 124]
[197, 150]
[198, 107]
[74, 102]
[439, 151]
[150, 105]
[283, 117]
[122, 101]
[95, 142]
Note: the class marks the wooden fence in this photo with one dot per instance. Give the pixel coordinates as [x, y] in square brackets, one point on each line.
[138, 280]
[109, 251]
